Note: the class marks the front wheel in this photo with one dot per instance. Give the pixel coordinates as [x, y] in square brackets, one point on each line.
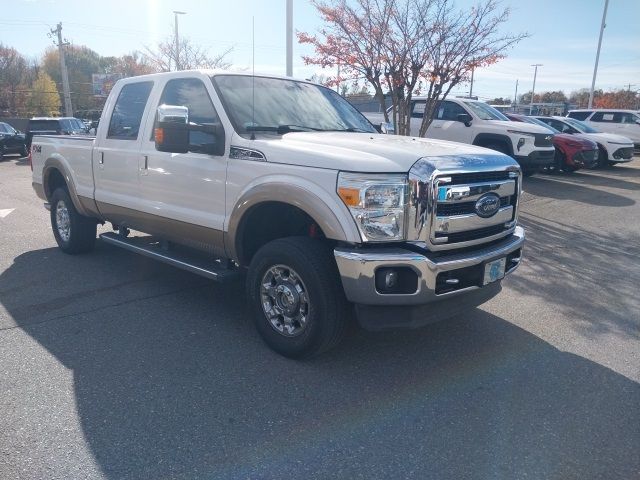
[603, 158]
[296, 297]
[73, 232]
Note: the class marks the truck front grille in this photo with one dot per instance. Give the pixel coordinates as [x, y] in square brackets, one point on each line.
[459, 209]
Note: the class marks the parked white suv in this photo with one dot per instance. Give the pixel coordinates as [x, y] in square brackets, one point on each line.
[621, 122]
[470, 121]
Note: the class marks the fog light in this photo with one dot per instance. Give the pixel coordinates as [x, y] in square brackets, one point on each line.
[390, 279]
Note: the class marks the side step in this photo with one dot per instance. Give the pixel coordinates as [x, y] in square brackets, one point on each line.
[152, 247]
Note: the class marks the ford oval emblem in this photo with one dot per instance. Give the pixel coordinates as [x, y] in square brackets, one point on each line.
[487, 205]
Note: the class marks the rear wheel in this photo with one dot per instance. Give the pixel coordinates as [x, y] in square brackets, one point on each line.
[73, 232]
[24, 151]
[296, 297]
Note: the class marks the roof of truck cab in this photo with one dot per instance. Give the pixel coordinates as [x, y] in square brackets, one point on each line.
[209, 73]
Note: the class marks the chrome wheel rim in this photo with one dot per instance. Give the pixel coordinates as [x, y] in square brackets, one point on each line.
[285, 301]
[63, 223]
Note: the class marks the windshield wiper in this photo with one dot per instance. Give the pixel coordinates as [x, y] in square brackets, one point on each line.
[281, 128]
[349, 129]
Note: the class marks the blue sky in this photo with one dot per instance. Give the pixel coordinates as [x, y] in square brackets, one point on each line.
[564, 35]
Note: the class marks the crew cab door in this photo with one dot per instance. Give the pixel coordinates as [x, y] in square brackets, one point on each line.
[184, 193]
[445, 124]
[117, 151]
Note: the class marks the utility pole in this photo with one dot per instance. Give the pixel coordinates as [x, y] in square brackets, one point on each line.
[289, 38]
[595, 68]
[66, 93]
[471, 88]
[629, 86]
[533, 90]
[515, 98]
[175, 20]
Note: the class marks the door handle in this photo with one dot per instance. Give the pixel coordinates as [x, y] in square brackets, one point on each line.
[146, 162]
[101, 161]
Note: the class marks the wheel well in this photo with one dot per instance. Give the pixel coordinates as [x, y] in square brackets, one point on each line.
[483, 140]
[268, 221]
[54, 180]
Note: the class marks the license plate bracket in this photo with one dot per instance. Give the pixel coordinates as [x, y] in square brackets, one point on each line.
[494, 270]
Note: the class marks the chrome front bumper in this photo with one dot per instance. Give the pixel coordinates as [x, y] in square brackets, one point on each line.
[357, 269]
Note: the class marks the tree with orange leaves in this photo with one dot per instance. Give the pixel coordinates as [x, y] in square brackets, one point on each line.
[407, 47]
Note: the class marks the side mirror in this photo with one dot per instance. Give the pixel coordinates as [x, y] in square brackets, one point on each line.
[387, 127]
[465, 118]
[171, 133]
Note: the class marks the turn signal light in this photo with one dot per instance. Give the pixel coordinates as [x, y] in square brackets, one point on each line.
[158, 135]
[350, 196]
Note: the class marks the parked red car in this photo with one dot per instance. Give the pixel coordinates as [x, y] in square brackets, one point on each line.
[572, 151]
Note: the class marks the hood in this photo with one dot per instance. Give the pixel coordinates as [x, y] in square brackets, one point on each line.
[519, 126]
[608, 138]
[576, 139]
[360, 152]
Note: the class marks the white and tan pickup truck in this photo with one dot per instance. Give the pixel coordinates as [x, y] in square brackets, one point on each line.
[284, 181]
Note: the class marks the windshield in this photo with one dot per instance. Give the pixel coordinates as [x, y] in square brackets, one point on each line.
[541, 123]
[281, 106]
[578, 125]
[485, 112]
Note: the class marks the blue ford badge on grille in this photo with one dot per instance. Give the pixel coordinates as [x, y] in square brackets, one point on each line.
[487, 205]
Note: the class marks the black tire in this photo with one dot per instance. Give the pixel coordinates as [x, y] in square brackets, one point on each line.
[24, 151]
[527, 172]
[320, 301]
[80, 237]
[603, 158]
[559, 162]
[1, 152]
[611, 164]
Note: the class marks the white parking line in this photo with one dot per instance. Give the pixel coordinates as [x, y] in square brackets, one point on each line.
[5, 212]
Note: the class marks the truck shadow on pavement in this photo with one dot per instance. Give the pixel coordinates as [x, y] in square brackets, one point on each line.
[587, 275]
[583, 188]
[172, 381]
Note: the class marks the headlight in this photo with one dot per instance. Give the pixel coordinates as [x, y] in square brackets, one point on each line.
[377, 203]
[518, 132]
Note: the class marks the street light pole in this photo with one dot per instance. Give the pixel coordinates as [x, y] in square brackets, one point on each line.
[289, 38]
[533, 90]
[175, 19]
[595, 68]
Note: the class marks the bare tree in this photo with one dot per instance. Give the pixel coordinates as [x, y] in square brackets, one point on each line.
[164, 57]
[408, 46]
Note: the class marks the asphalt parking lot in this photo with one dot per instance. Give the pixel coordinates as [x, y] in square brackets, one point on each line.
[114, 366]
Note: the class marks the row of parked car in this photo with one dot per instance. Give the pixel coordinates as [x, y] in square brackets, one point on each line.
[15, 141]
[583, 139]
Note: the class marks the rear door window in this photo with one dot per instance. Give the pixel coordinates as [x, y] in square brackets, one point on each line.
[128, 111]
[606, 117]
[579, 115]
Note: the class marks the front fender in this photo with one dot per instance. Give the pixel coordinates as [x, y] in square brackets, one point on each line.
[331, 216]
